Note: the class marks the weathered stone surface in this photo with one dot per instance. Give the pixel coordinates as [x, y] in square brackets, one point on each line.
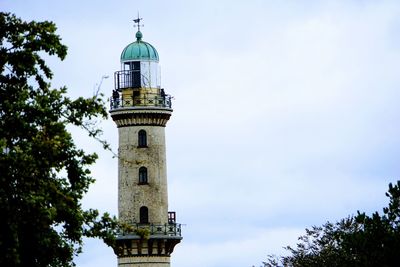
[133, 195]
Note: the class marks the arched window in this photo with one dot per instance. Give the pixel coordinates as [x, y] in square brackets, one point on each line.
[143, 175]
[142, 138]
[144, 215]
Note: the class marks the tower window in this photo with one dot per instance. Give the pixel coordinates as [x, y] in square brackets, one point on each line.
[142, 138]
[143, 175]
[144, 215]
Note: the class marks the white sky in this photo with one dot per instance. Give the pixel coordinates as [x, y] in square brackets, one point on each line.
[285, 113]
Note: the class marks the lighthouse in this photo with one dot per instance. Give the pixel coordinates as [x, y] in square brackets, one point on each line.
[141, 109]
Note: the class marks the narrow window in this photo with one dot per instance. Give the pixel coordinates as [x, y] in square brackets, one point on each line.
[142, 175]
[144, 215]
[142, 138]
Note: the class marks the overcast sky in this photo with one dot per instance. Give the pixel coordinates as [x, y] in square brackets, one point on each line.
[286, 113]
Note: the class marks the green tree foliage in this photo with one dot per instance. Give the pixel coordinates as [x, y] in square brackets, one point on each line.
[43, 175]
[358, 240]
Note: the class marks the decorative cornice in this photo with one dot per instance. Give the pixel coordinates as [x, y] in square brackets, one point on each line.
[139, 247]
[124, 117]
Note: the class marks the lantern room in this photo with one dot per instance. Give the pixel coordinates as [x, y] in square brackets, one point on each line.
[139, 62]
[138, 83]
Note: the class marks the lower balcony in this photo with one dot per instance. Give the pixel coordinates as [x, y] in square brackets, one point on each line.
[171, 230]
[148, 240]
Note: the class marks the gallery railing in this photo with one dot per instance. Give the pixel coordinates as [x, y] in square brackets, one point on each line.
[168, 229]
[146, 100]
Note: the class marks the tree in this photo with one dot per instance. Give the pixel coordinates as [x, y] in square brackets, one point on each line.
[358, 240]
[43, 175]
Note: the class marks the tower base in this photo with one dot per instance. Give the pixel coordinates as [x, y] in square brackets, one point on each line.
[146, 261]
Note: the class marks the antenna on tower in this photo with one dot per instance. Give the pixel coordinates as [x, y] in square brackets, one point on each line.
[137, 21]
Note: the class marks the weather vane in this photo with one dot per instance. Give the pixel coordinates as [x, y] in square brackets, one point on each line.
[137, 21]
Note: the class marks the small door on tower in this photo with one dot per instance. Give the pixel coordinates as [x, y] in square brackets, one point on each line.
[132, 74]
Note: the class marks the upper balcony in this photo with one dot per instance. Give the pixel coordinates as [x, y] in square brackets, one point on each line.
[132, 89]
[136, 78]
[141, 100]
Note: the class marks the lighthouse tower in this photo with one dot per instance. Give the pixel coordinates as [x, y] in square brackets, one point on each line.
[141, 109]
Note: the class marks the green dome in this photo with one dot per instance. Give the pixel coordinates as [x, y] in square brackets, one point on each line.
[139, 50]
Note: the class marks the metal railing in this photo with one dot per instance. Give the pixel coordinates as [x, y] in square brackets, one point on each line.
[168, 229]
[146, 100]
[126, 79]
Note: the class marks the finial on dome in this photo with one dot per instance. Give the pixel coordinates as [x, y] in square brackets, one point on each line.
[139, 34]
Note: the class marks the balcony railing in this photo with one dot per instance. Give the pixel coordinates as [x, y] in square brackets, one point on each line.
[127, 79]
[168, 229]
[134, 79]
[144, 100]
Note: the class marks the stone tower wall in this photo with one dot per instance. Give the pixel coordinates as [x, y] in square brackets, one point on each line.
[153, 195]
